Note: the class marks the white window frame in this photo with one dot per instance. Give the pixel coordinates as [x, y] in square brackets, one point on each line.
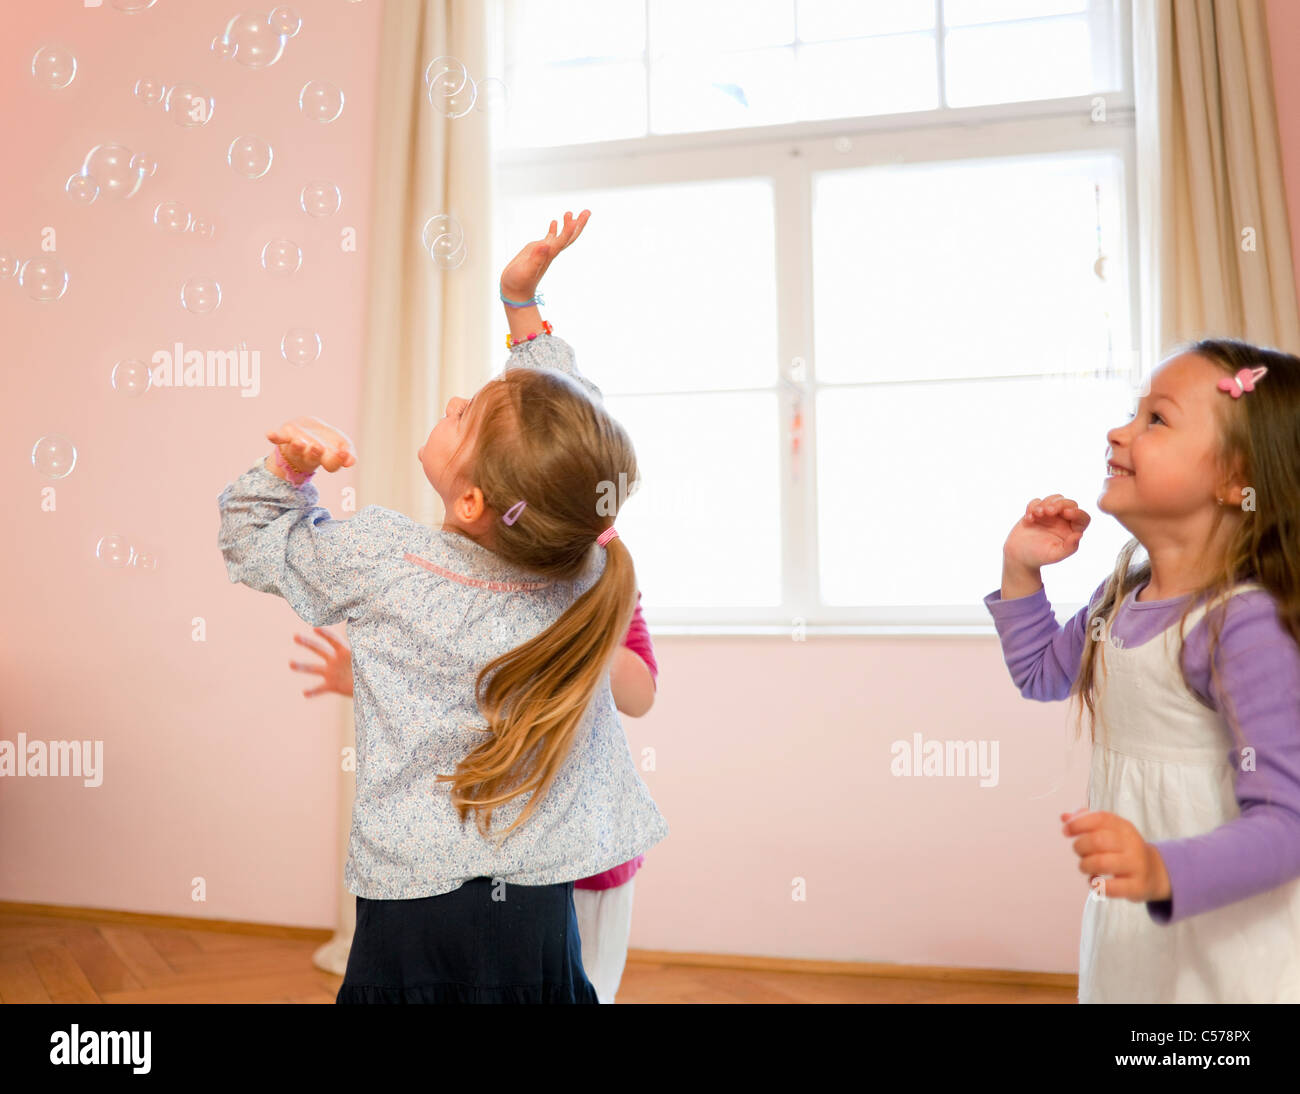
[789, 155]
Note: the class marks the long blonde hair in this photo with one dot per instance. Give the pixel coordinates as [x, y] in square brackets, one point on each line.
[538, 437]
[1260, 434]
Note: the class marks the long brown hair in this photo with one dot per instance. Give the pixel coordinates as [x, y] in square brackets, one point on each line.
[538, 437]
[1259, 434]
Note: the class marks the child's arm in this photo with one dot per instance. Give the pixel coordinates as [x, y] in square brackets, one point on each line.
[1042, 656]
[633, 674]
[519, 282]
[276, 539]
[1259, 675]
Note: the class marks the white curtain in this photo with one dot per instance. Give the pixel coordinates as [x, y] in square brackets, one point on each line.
[1215, 236]
[427, 328]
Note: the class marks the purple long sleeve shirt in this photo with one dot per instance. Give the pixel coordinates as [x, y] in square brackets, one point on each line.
[1259, 670]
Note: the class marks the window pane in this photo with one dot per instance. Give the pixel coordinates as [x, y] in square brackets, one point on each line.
[868, 76]
[678, 26]
[691, 92]
[1019, 61]
[959, 12]
[561, 30]
[701, 457]
[636, 300]
[577, 102]
[910, 476]
[975, 268]
[820, 20]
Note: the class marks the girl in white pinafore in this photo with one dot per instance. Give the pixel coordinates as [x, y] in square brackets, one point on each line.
[1162, 760]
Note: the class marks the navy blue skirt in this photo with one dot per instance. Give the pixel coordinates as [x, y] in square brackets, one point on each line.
[465, 947]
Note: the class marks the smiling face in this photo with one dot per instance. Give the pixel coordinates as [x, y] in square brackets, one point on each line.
[1161, 470]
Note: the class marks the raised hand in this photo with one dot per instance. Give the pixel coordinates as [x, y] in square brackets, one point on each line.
[335, 670]
[1049, 531]
[309, 443]
[523, 273]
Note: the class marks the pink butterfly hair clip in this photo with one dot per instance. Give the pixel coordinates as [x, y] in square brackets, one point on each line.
[1243, 381]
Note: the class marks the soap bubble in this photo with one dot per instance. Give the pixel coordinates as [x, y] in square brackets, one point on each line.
[250, 157]
[222, 47]
[253, 41]
[284, 20]
[43, 278]
[147, 166]
[131, 7]
[110, 166]
[149, 92]
[204, 229]
[81, 188]
[282, 257]
[131, 378]
[189, 105]
[451, 91]
[320, 199]
[54, 67]
[444, 239]
[145, 561]
[54, 456]
[9, 264]
[319, 101]
[493, 97]
[171, 216]
[114, 551]
[300, 346]
[447, 73]
[200, 295]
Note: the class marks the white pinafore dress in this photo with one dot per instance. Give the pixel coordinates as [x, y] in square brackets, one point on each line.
[1165, 762]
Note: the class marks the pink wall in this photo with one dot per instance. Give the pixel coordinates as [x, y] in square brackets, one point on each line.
[215, 765]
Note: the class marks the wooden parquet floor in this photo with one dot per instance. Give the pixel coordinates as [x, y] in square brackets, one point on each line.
[49, 959]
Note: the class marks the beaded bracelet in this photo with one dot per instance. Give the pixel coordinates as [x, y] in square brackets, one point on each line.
[512, 341]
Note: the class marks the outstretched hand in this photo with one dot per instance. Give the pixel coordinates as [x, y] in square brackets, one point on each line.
[523, 273]
[335, 670]
[309, 443]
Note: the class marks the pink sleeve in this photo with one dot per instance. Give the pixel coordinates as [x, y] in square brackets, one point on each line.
[638, 641]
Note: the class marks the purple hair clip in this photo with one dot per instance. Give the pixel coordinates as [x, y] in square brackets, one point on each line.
[1243, 381]
[512, 514]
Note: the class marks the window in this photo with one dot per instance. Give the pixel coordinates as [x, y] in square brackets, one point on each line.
[858, 280]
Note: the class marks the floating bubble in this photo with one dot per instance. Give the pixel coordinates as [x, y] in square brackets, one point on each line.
[253, 41]
[114, 551]
[452, 104]
[444, 239]
[9, 264]
[282, 257]
[43, 278]
[204, 229]
[319, 101]
[145, 561]
[200, 295]
[54, 67]
[300, 346]
[222, 47]
[110, 166]
[171, 216]
[284, 20]
[320, 199]
[250, 157]
[131, 378]
[133, 7]
[147, 166]
[447, 73]
[81, 188]
[493, 97]
[189, 105]
[149, 92]
[54, 456]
